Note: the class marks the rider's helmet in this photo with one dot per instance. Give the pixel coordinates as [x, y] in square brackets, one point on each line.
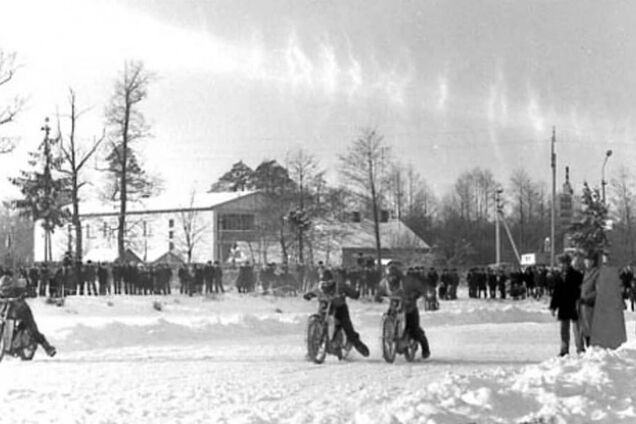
[327, 282]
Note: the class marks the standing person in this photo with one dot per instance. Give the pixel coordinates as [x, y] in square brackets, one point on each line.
[45, 277]
[208, 277]
[117, 276]
[102, 277]
[588, 295]
[492, 283]
[481, 278]
[34, 277]
[183, 276]
[501, 283]
[167, 279]
[218, 278]
[89, 276]
[198, 277]
[528, 278]
[626, 275]
[563, 304]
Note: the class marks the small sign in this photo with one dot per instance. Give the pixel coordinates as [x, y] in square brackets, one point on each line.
[528, 259]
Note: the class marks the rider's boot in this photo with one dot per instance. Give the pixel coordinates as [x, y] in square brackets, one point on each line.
[362, 348]
[426, 351]
[50, 350]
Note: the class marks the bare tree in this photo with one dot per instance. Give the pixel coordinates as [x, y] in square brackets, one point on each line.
[305, 171]
[8, 112]
[362, 171]
[192, 226]
[127, 125]
[74, 159]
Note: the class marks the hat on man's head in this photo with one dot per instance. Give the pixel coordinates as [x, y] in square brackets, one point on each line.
[565, 259]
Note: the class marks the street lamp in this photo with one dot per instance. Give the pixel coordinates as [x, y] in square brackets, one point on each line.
[603, 182]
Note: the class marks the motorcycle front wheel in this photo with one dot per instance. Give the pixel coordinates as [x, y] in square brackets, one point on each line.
[388, 338]
[316, 340]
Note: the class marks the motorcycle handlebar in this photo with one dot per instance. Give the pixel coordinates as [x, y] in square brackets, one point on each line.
[10, 299]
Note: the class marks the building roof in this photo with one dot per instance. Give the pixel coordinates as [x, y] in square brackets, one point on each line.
[109, 254]
[201, 201]
[393, 234]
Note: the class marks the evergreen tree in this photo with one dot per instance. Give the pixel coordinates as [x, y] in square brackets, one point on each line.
[239, 178]
[588, 234]
[45, 192]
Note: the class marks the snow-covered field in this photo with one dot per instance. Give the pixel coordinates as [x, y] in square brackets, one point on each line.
[241, 360]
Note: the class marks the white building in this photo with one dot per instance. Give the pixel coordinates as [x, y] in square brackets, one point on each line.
[154, 227]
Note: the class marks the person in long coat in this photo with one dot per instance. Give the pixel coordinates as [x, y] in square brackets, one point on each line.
[564, 302]
[588, 295]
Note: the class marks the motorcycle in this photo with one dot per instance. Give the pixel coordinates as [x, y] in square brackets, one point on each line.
[395, 340]
[325, 335]
[15, 339]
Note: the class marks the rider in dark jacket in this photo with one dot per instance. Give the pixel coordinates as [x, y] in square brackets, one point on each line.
[409, 289]
[328, 286]
[10, 288]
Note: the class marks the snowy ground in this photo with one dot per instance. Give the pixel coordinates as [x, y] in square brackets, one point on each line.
[241, 360]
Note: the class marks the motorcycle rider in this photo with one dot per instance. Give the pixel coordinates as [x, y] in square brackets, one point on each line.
[409, 289]
[12, 288]
[328, 286]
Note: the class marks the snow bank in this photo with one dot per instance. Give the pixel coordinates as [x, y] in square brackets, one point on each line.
[598, 386]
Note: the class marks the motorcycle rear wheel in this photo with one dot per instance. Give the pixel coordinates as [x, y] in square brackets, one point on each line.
[410, 351]
[388, 339]
[27, 353]
[28, 346]
[2, 341]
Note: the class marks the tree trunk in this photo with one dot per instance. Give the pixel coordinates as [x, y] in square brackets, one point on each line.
[123, 194]
[376, 220]
[76, 221]
[283, 247]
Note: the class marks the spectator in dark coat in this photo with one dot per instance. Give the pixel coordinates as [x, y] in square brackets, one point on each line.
[567, 292]
[218, 278]
[89, 274]
[45, 277]
[102, 277]
[208, 277]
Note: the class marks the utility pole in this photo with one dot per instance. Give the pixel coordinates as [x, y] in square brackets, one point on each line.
[47, 188]
[553, 212]
[603, 182]
[497, 231]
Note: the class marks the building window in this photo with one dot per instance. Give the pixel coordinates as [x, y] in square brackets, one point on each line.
[171, 246]
[237, 222]
[88, 232]
[147, 229]
[105, 229]
[171, 223]
[171, 235]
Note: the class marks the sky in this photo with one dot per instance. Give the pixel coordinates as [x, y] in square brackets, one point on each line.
[450, 84]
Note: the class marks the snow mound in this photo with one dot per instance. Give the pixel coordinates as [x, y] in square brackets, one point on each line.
[598, 386]
[162, 331]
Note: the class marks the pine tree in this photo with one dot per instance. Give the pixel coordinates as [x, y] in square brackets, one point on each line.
[588, 234]
[45, 192]
[239, 178]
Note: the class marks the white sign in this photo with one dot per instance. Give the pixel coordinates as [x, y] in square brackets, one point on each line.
[528, 259]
